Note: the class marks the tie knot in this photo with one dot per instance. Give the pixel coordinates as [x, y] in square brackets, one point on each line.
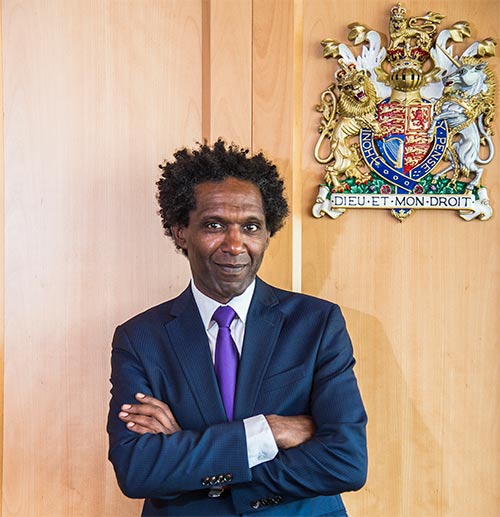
[224, 315]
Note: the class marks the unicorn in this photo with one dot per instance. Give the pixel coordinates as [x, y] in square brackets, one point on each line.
[467, 107]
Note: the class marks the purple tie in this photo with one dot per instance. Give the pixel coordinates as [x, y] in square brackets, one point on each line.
[226, 358]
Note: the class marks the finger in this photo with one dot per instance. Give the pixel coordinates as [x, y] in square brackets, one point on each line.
[146, 399]
[152, 412]
[138, 429]
[145, 423]
[141, 409]
[149, 410]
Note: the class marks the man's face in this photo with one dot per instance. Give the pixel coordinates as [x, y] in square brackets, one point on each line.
[226, 237]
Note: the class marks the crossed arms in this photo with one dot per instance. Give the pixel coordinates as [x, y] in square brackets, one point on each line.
[154, 416]
[322, 452]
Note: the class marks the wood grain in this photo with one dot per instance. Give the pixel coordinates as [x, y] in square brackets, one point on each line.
[95, 95]
[420, 298]
[273, 117]
[231, 71]
[2, 275]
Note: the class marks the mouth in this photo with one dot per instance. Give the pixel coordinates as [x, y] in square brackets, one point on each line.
[230, 268]
[360, 95]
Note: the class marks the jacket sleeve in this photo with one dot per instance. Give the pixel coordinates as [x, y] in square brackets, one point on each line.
[335, 459]
[161, 466]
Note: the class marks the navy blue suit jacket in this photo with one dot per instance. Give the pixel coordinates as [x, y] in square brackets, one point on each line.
[296, 359]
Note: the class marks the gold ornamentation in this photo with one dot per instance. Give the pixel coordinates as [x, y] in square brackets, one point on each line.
[407, 125]
[355, 110]
[411, 41]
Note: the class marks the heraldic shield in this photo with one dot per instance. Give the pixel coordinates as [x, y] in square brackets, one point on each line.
[407, 126]
[405, 153]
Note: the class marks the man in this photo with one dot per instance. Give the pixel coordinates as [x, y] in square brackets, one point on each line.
[235, 397]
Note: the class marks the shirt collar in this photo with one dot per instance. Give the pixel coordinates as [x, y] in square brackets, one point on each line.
[207, 305]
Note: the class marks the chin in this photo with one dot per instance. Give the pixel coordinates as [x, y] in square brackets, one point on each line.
[229, 290]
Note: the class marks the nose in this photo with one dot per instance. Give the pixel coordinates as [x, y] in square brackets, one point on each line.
[233, 241]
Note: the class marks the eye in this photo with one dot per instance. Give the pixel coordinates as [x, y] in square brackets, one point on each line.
[214, 226]
[251, 227]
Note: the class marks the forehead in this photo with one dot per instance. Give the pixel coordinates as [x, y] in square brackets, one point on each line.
[229, 195]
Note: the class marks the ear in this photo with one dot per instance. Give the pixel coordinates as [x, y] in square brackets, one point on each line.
[179, 235]
[268, 239]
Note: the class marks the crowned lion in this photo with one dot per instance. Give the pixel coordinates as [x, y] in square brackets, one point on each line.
[343, 119]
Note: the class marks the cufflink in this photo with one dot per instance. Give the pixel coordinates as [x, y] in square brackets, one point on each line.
[216, 491]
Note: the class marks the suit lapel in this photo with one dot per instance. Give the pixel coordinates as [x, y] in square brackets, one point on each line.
[190, 343]
[262, 330]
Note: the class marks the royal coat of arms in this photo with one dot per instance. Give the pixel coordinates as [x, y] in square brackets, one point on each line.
[408, 125]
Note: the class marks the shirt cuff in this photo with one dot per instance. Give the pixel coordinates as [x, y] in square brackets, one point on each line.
[261, 445]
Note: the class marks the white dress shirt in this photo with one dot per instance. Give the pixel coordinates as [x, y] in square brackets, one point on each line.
[261, 445]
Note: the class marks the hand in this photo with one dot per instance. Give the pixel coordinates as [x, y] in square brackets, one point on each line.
[150, 416]
[290, 431]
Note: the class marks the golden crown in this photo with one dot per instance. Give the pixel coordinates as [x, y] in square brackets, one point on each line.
[411, 41]
[398, 11]
[345, 72]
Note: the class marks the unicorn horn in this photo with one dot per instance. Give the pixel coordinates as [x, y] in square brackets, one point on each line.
[451, 58]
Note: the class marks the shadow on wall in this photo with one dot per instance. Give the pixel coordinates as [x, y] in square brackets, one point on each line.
[403, 473]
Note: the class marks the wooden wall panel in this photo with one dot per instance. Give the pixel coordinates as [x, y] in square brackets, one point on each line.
[272, 116]
[96, 95]
[2, 272]
[231, 71]
[420, 298]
